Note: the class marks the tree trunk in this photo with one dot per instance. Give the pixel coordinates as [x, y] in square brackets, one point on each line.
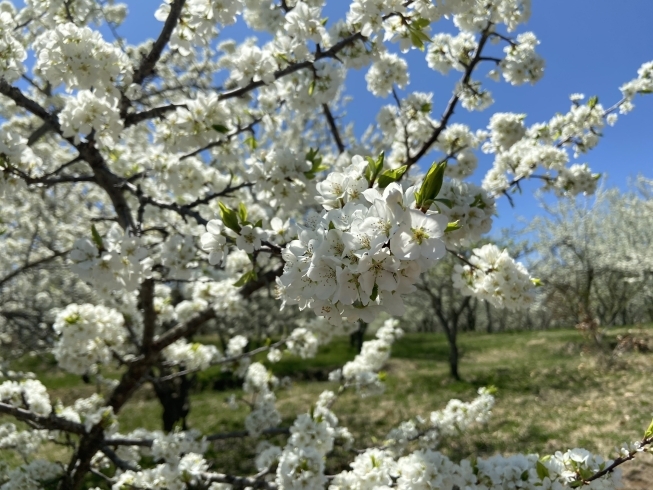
[173, 394]
[488, 311]
[356, 338]
[453, 354]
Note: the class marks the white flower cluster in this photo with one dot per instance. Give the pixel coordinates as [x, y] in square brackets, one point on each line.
[280, 177]
[193, 356]
[492, 275]
[303, 343]
[426, 469]
[121, 262]
[363, 252]
[575, 180]
[306, 90]
[192, 127]
[301, 464]
[222, 296]
[363, 371]
[304, 23]
[458, 416]
[388, 70]
[166, 476]
[260, 383]
[86, 112]
[522, 64]
[23, 441]
[33, 475]
[521, 151]
[471, 206]
[248, 63]
[643, 84]
[447, 52]
[81, 59]
[506, 129]
[172, 446]
[476, 16]
[458, 141]
[198, 22]
[29, 394]
[455, 419]
[90, 411]
[16, 152]
[12, 52]
[88, 335]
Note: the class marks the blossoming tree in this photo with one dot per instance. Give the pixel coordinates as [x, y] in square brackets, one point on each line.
[153, 177]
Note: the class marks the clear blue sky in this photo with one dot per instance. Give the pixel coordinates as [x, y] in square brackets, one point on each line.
[590, 46]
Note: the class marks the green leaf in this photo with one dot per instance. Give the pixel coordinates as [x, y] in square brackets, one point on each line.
[420, 23]
[536, 282]
[576, 484]
[432, 183]
[426, 107]
[492, 390]
[542, 471]
[375, 292]
[446, 202]
[417, 42]
[251, 142]
[258, 224]
[220, 128]
[593, 101]
[374, 167]
[331, 225]
[311, 87]
[229, 217]
[524, 475]
[97, 239]
[242, 212]
[649, 431]
[390, 176]
[453, 226]
[245, 278]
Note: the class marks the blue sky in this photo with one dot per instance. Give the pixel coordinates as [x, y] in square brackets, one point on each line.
[590, 46]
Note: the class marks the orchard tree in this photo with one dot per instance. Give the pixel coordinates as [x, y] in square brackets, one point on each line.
[177, 177]
[592, 255]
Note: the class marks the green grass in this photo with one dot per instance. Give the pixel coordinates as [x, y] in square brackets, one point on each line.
[555, 391]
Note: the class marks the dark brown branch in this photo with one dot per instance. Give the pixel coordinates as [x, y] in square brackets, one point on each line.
[28, 104]
[155, 112]
[125, 441]
[453, 102]
[238, 481]
[214, 195]
[148, 63]
[262, 281]
[248, 128]
[332, 52]
[31, 265]
[618, 462]
[51, 422]
[38, 133]
[146, 299]
[115, 459]
[334, 129]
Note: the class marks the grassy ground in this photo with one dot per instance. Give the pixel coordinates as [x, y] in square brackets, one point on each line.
[554, 392]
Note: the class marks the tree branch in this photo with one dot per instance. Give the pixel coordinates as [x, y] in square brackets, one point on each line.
[31, 265]
[149, 62]
[51, 422]
[333, 127]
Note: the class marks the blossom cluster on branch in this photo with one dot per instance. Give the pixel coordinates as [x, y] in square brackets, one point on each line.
[152, 192]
